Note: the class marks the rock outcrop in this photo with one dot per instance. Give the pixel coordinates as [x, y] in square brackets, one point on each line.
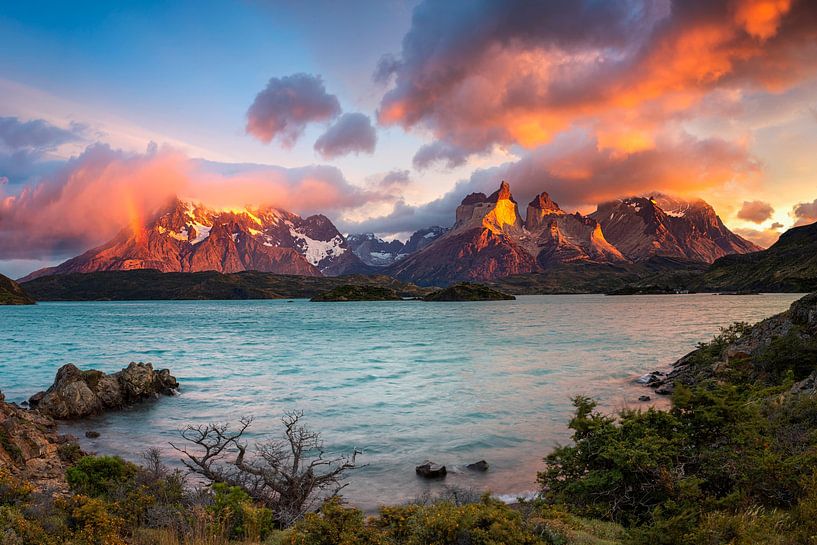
[31, 448]
[749, 350]
[77, 394]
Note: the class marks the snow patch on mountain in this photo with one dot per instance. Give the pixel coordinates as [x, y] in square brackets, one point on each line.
[316, 251]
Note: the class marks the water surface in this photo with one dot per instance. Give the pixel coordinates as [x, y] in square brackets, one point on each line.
[401, 381]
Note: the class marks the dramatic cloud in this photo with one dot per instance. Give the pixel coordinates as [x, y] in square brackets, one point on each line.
[103, 190]
[286, 105]
[579, 174]
[23, 145]
[480, 74]
[351, 133]
[755, 211]
[805, 212]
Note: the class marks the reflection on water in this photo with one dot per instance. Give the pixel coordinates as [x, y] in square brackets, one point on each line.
[404, 381]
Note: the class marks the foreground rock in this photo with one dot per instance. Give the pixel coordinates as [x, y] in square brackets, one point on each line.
[77, 394]
[31, 448]
[12, 294]
[482, 466]
[466, 291]
[350, 292]
[430, 470]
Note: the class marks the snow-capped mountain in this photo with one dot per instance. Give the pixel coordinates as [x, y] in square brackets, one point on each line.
[189, 237]
[376, 252]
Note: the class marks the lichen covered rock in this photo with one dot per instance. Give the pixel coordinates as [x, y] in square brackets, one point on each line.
[77, 394]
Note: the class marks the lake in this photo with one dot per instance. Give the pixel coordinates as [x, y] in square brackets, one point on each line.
[400, 381]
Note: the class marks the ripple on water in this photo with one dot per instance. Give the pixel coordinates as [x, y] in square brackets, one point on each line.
[402, 382]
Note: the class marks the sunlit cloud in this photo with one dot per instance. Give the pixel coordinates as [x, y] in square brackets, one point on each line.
[94, 195]
[755, 211]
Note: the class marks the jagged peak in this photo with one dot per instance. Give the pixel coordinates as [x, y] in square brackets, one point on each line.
[501, 194]
[543, 202]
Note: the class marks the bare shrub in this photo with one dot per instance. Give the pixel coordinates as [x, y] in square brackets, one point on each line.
[291, 475]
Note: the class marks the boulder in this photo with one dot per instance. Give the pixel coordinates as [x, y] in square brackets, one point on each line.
[482, 465]
[77, 394]
[430, 470]
[644, 398]
[91, 434]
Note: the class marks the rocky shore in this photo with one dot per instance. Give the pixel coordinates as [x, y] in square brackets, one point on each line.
[750, 349]
[31, 446]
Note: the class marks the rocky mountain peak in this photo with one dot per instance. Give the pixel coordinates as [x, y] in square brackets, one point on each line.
[543, 202]
[497, 212]
[502, 194]
[539, 209]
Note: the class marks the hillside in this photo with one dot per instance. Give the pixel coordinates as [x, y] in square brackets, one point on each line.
[12, 294]
[596, 277]
[149, 284]
[789, 265]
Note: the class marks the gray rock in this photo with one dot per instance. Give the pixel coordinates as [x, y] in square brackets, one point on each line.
[77, 394]
[666, 389]
[482, 465]
[430, 470]
[90, 434]
[644, 398]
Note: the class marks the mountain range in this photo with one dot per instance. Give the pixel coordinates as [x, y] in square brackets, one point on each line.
[189, 237]
[489, 240]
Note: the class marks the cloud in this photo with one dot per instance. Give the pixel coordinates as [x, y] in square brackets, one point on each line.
[393, 180]
[579, 174]
[25, 144]
[755, 211]
[286, 105]
[94, 195]
[762, 237]
[481, 74]
[34, 134]
[805, 212]
[351, 133]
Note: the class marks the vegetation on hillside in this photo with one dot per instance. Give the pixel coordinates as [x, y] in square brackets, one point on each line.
[351, 292]
[149, 285]
[12, 294]
[466, 291]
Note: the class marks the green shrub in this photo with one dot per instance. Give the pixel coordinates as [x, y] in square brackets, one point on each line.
[99, 476]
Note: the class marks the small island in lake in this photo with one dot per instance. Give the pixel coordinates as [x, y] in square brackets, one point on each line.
[465, 291]
[350, 292]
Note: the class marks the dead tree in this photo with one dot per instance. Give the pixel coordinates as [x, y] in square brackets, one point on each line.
[290, 475]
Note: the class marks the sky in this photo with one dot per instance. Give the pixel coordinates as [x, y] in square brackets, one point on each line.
[384, 114]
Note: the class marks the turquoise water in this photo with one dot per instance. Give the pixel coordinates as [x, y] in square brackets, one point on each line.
[401, 381]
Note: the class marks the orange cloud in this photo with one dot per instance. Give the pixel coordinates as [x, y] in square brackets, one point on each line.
[104, 190]
[521, 74]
